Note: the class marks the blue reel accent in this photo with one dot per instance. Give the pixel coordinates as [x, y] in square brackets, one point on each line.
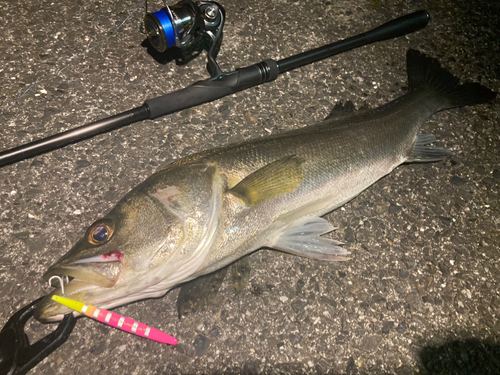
[168, 27]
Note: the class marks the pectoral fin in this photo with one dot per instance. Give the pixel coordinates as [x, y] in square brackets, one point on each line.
[302, 238]
[199, 292]
[273, 180]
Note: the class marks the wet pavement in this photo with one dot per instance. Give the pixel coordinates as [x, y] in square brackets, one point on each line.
[421, 294]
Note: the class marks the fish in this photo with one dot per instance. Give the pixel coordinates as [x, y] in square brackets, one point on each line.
[207, 210]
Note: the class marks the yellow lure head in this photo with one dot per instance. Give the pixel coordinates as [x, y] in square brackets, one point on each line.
[72, 304]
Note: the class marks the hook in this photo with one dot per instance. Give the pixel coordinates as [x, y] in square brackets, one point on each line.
[62, 280]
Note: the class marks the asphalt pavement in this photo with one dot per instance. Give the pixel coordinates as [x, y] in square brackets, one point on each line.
[421, 293]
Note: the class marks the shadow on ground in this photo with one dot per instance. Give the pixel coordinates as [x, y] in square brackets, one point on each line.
[458, 357]
[471, 356]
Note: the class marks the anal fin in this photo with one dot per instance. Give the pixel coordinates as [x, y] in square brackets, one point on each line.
[422, 152]
[302, 238]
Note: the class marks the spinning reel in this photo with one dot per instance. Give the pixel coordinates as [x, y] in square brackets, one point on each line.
[185, 23]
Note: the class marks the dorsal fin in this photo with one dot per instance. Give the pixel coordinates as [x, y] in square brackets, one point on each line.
[341, 109]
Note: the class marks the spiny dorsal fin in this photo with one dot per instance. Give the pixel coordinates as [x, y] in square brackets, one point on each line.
[341, 109]
[273, 180]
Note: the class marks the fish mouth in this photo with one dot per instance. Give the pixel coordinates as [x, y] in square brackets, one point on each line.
[48, 311]
[90, 283]
[100, 274]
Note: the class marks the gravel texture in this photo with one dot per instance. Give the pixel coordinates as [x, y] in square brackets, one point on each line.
[422, 292]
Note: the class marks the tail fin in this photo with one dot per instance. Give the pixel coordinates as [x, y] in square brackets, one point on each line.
[426, 73]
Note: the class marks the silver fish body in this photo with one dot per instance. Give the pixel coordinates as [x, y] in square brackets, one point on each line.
[209, 209]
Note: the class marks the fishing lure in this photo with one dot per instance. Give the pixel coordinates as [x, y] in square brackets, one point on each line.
[117, 320]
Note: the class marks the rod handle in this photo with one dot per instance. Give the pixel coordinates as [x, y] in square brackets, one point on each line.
[400, 26]
[213, 88]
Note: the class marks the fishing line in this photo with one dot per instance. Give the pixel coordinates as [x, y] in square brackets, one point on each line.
[72, 61]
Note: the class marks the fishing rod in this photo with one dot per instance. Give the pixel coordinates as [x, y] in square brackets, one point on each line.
[180, 26]
[185, 23]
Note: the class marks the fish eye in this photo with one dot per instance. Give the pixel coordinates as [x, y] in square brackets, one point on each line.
[100, 232]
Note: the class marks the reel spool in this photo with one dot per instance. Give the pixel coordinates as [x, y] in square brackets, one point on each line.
[185, 23]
